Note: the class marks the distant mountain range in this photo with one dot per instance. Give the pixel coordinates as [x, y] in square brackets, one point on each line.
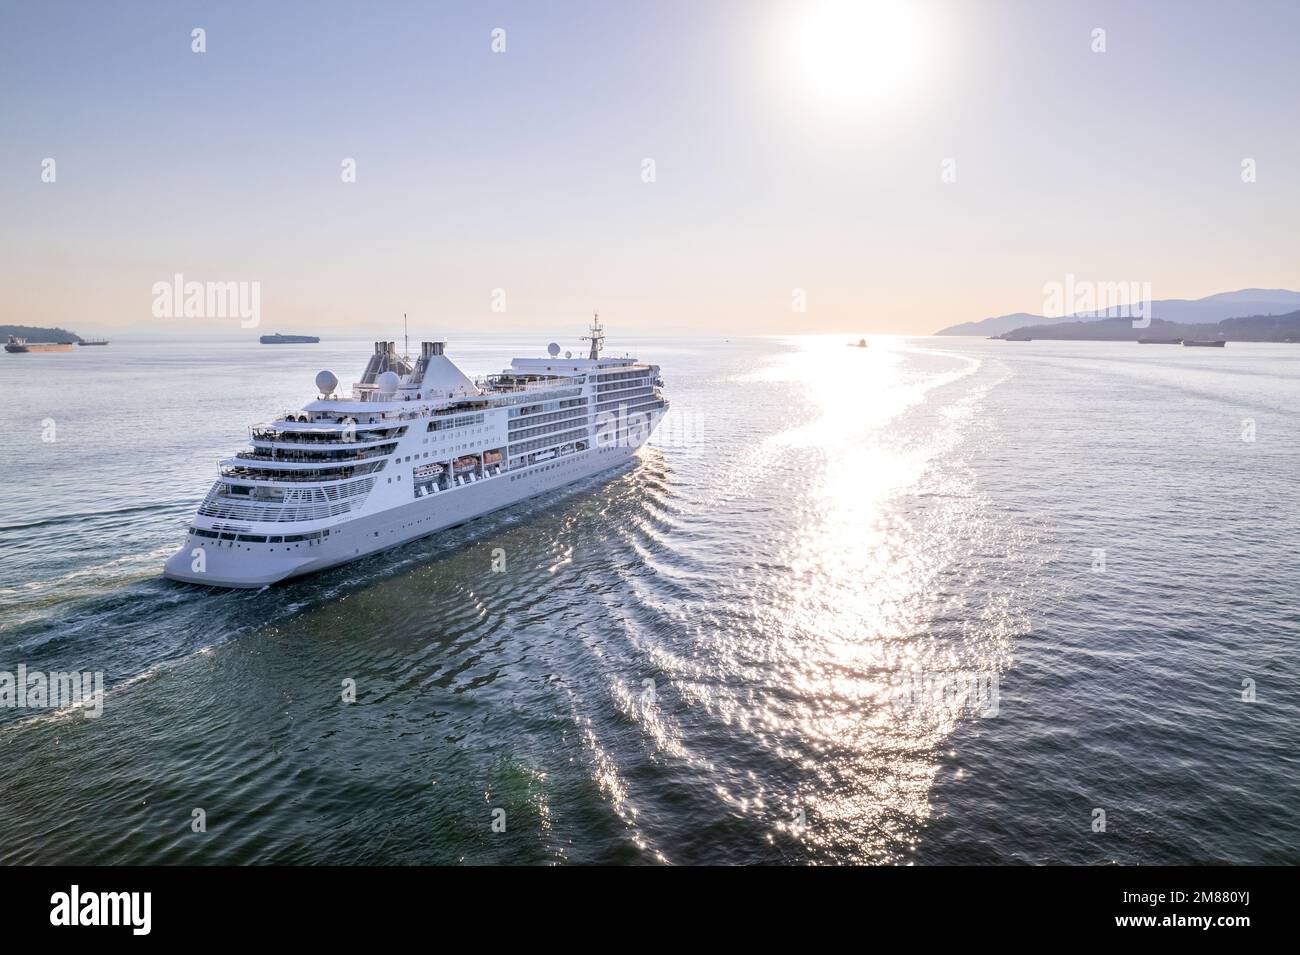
[1211, 310]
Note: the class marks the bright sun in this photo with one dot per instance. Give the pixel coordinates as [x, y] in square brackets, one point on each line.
[852, 55]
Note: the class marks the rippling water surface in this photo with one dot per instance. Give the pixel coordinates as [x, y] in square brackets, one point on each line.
[697, 659]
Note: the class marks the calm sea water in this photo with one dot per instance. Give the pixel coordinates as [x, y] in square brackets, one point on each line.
[703, 658]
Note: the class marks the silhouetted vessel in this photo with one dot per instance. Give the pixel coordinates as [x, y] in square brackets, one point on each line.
[20, 346]
[1160, 341]
[1192, 343]
[862, 343]
[278, 339]
[93, 341]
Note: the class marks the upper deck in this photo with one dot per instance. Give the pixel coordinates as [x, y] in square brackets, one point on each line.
[339, 436]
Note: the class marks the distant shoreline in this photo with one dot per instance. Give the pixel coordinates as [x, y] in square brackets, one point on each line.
[39, 335]
[1278, 329]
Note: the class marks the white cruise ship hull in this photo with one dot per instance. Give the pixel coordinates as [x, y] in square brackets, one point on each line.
[233, 563]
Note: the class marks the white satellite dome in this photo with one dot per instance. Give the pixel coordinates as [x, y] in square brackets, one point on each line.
[326, 382]
[388, 382]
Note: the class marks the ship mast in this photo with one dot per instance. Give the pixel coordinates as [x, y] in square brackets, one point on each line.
[597, 336]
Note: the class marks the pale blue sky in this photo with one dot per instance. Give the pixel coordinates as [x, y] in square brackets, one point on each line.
[522, 170]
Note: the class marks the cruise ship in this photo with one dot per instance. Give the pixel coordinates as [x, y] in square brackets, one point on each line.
[416, 447]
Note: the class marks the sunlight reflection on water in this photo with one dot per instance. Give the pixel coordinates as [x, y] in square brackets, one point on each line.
[861, 593]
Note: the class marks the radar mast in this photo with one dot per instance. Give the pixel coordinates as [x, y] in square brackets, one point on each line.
[597, 336]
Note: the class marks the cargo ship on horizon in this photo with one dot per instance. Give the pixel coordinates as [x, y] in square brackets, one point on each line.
[278, 339]
[19, 346]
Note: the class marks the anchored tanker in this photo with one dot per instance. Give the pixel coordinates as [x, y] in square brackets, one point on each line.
[19, 346]
[417, 447]
[278, 339]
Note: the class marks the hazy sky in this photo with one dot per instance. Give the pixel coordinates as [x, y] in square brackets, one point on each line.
[796, 146]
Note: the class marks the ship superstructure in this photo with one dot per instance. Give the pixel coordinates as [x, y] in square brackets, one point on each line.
[417, 446]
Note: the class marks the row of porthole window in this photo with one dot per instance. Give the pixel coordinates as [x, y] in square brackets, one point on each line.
[257, 538]
[545, 467]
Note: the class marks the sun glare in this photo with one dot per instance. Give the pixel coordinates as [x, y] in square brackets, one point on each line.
[851, 55]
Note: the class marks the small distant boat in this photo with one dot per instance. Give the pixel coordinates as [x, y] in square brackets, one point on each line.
[93, 341]
[1160, 341]
[278, 339]
[862, 343]
[1192, 343]
[18, 346]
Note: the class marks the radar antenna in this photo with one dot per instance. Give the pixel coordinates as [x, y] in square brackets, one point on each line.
[597, 336]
